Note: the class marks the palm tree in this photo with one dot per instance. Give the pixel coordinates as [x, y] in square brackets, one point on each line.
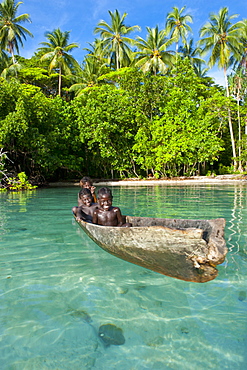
[201, 71]
[97, 51]
[241, 67]
[237, 88]
[176, 24]
[56, 52]
[91, 70]
[11, 31]
[222, 38]
[241, 64]
[153, 55]
[115, 41]
[193, 53]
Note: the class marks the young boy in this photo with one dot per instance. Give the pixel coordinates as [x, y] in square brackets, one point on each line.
[106, 214]
[86, 209]
[86, 183]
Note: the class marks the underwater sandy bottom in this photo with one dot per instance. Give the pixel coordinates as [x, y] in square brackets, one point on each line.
[58, 287]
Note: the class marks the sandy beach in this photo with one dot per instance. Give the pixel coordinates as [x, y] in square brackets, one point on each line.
[220, 179]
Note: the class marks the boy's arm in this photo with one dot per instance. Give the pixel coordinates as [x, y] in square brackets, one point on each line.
[80, 214]
[119, 217]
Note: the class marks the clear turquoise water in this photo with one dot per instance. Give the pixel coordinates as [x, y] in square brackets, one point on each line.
[57, 287]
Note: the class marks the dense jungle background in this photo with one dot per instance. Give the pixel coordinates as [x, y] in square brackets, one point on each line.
[132, 108]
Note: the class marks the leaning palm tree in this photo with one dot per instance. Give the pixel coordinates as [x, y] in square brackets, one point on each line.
[176, 24]
[12, 32]
[221, 37]
[115, 41]
[153, 55]
[56, 52]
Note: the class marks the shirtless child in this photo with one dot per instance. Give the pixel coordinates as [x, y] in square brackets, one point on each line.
[86, 209]
[106, 214]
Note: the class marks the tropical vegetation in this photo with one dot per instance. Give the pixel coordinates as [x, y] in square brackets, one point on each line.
[56, 51]
[134, 107]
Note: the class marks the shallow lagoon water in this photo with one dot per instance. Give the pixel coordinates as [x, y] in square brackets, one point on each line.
[57, 287]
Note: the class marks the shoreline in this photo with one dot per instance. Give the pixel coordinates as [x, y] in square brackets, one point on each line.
[220, 179]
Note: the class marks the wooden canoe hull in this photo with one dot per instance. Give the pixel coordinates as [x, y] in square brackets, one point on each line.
[184, 249]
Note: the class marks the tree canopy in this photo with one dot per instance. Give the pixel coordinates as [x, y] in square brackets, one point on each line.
[132, 107]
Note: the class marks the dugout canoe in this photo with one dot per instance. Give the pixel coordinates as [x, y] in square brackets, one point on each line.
[183, 249]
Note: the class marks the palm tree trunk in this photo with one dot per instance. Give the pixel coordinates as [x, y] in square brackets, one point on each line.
[117, 59]
[60, 81]
[11, 50]
[239, 132]
[230, 125]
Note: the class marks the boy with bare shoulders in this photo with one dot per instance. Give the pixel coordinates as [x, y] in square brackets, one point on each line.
[86, 209]
[86, 183]
[106, 214]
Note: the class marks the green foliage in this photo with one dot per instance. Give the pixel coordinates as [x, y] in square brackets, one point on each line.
[20, 182]
[3, 169]
[38, 133]
[186, 128]
[136, 124]
[126, 122]
[223, 170]
[33, 75]
[166, 125]
[106, 120]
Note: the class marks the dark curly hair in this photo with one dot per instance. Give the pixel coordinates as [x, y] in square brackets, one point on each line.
[85, 191]
[104, 191]
[84, 180]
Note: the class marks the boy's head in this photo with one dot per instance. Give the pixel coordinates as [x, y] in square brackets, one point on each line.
[105, 198]
[86, 196]
[86, 182]
[104, 191]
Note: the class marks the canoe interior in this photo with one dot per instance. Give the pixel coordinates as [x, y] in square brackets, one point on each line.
[171, 223]
[184, 249]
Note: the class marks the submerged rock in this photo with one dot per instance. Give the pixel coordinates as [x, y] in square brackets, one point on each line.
[242, 295]
[155, 342]
[111, 334]
[81, 314]
[184, 330]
